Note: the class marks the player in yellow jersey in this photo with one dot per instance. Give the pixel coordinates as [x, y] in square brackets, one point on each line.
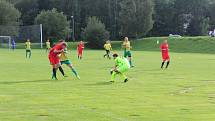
[28, 48]
[108, 48]
[48, 45]
[65, 60]
[127, 50]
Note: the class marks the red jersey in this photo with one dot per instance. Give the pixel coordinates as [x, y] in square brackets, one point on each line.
[164, 48]
[80, 46]
[56, 47]
[165, 51]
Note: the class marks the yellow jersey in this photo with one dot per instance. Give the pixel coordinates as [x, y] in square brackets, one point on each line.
[127, 45]
[48, 45]
[28, 45]
[107, 47]
[63, 56]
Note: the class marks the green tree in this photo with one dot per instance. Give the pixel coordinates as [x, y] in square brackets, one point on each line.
[95, 33]
[135, 17]
[212, 15]
[9, 14]
[55, 24]
[198, 26]
[199, 22]
[29, 10]
[163, 24]
[9, 19]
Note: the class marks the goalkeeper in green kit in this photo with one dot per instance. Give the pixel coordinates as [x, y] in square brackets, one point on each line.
[121, 66]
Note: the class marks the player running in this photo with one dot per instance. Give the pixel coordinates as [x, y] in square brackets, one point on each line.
[28, 48]
[165, 53]
[80, 49]
[108, 48]
[127, 50]
[48, 45]
[121, 66]
[65, 60]
[55, 60]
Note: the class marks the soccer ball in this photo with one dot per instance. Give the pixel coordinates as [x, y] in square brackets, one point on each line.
[158, 42]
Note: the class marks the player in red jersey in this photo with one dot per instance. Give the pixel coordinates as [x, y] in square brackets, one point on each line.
[54, 58]
[165, 53]
[80, 49]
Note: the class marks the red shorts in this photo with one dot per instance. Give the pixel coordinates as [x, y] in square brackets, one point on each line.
[165, 57]
[80, 52]
[54, 60]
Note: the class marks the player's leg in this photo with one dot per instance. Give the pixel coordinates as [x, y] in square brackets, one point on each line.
[124, 77]
[105, 53]
[78, 54]
[69, 64]
[54, 72]
[52, 62]
[13, 47]
[113, 76]
[61, 70]
[55, 61]
[168, 62]
[125, 54]
[130, 58]
[108, 54]
[81, 54]
[29, 53]
[122, 71]
[58, 66]
[162, 64]
[164, 60]
[46, 49]
[130, 62]
[26, 53]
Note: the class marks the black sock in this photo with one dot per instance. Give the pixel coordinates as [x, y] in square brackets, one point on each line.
[54, 73]
[167, 64]
[61, 70]
[162, 64]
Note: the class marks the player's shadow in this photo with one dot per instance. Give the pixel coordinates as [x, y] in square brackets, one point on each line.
[100, 84]
[20, 82]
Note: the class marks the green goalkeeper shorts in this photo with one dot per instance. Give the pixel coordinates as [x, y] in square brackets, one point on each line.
[123, 68]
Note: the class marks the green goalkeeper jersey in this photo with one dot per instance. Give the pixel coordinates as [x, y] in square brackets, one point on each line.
[120, 61]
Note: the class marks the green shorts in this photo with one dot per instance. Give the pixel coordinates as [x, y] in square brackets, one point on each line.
[67, 62]
[123, 68]
[28, 50]
[127, 53]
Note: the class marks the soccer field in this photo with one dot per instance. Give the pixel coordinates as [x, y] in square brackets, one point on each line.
[184, 92]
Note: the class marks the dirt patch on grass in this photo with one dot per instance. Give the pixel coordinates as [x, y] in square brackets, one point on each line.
[134, 115]
[186, 90]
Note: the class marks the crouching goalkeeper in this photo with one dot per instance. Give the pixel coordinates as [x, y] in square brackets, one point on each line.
[121, 67]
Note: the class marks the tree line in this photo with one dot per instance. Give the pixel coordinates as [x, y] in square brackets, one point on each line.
[132, 18]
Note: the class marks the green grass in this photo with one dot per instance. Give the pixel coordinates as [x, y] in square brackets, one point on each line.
[202, 44]
[184, 92]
